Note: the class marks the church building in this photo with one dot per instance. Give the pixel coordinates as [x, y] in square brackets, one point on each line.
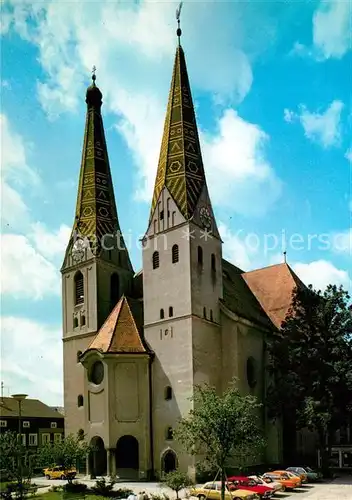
[136, 343]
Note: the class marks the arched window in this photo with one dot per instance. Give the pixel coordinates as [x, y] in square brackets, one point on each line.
[171, 311]
[79, 354]
[114, 289]
[204, 313]
[168, 393]
[83, 320]
[155, 260]
[174, 254]
[75, 322]
[162, 314]
[213, 263]
[79, 400]
[169, 434]
[79, 288]
[200, 255]
[211, 315]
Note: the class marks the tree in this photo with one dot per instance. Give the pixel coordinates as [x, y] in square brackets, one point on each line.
[66, 453]
[177, 481]
[310, 360]
[220, 428]
[17, 461]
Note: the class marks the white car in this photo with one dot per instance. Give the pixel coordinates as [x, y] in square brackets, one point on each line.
[272, 484]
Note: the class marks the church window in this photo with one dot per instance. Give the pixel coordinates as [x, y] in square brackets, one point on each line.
[79, 288]
[169, 434]
[200, 255]
[211, 315]
[83, 320]
[114, 289]
[79, 400]
[96, 373]
[155, 260]
[161, 313]
[109, 253]
[162, 215]
[171, 311]
[168, 393]
[175, 254]
[75, 322]
[213, 263]
[204, 313]
[79, 354]
[251, 372]
[173, 218]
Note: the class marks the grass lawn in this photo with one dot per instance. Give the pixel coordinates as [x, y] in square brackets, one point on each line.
[60, 495]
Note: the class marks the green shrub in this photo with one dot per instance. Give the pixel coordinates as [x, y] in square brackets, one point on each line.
[177, 480]
[102, 488]
[122, 493]
[74, 487]
[54, 488]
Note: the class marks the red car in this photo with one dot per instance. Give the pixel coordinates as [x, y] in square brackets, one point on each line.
[246, 483]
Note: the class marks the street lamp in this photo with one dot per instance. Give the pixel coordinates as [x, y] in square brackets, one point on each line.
[20, 398]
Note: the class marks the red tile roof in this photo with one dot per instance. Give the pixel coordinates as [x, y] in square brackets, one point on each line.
[273, 287]
[122, 330]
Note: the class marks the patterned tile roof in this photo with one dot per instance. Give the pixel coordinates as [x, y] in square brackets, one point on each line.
[273, 287]
[96, 213]
[180, 166]
[30, 408]
[122, 330]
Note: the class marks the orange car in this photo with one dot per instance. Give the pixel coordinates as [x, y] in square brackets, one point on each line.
[287, 480]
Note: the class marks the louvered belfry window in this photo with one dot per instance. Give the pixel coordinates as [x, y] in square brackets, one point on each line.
[79, 288]
[174, 254]
[155, 260]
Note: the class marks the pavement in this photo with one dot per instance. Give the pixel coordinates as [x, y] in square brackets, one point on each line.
[338, 489]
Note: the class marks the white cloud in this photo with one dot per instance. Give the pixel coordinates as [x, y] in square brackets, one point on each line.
[31, 358]
[106, 34]
[235, 249]
[332, 28]
[323, 128]
[321, 273]
[25, 272]
[50, 243]
[236, 167]
[16, 176]
[331, 32]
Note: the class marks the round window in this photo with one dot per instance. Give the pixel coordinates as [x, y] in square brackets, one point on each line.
[251, 375]
[96, 374]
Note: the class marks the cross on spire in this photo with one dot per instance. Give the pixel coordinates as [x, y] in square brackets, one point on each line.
[178, 14]
[93, 73]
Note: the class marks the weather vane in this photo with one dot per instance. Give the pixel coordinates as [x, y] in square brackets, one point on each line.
[178, 13]
[93, 73]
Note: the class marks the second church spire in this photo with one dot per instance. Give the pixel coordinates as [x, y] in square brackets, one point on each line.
[180, 166]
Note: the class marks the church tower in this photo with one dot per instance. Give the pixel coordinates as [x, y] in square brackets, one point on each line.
[182, 274]
[96, 270]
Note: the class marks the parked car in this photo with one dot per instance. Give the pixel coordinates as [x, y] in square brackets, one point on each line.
[298, 471]
[246, 483]
[59, 472]
[287, 480]
[270, 484]
[212, 491]
[313, 475]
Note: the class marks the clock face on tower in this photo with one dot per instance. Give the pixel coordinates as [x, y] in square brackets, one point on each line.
[78, 249]
[205, 217]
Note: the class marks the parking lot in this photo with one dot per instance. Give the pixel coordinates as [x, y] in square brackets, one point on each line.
[338, 489]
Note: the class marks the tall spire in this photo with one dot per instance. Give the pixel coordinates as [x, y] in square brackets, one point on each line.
[180, 166]
[96, 213]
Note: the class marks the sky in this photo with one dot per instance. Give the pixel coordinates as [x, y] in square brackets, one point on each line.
[271, 82]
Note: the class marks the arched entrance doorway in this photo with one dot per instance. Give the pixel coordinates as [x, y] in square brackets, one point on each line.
[169, 461]
[127, 457]
[97, 457]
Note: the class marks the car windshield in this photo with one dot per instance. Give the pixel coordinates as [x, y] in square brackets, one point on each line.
[308, 469]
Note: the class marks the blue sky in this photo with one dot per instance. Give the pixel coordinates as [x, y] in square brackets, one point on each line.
[272, 85]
